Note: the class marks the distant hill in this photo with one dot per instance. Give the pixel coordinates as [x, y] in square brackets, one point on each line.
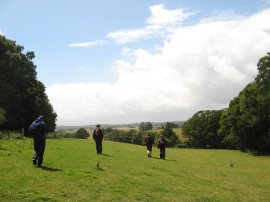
[156, 125]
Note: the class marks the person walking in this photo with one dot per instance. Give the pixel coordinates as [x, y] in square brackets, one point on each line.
[98, 137]
[162, 146]
[149, 143]
[38, 130]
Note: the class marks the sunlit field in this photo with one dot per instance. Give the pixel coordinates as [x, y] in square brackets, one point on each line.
[73, 172]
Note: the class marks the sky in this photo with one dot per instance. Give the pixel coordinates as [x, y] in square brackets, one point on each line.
[126, 61]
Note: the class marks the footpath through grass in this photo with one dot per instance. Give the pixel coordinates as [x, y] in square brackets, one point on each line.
[73, 172]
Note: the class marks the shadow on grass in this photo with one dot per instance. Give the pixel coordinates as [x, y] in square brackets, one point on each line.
[153, 157]
[107, 155]
[50, 169]
[162, 159]
[171, 160]
[258, 154]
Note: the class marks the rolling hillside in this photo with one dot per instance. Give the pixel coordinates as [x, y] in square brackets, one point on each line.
[73, 172]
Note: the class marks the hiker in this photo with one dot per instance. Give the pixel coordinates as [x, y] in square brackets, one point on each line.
[98, 137]
[149, 143]
[162, 145]
[38, 130]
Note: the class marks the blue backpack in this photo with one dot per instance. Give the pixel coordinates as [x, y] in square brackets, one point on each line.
[35, 127]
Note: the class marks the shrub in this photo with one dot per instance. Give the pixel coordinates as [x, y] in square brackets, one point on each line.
[81, 133]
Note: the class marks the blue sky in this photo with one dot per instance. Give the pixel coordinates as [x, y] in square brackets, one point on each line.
[131, 61]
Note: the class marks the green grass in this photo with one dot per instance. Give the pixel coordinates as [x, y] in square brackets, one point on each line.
[73, 172]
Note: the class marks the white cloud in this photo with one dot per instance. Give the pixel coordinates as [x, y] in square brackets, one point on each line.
[162, 16]
[88, 44]
[159, 23]
[127, 36]
[201, 66]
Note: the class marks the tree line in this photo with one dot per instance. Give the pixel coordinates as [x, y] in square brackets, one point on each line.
[138, 136]
[244, 125]
[22, 95]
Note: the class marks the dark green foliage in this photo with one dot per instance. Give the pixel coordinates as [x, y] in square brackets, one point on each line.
[227, 119]
[144, 126]
[263, 77]
[120, 135]
[202, 129]
[81, 133]
[22, 96]
[170, 136]
[172, 125]
[245, 124]
[131, 136]
[2, 116]
[138, 137]
[61, 134]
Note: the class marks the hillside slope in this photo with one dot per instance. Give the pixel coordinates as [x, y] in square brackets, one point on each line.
[72, 171]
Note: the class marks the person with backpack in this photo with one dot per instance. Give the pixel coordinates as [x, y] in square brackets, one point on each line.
[149, 143]
[162, 146]
[98, 137]
[38, 130]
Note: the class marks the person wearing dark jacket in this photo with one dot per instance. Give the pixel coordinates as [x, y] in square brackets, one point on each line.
[98, 137]
[38, 130]
[149, 143]
[162, 146]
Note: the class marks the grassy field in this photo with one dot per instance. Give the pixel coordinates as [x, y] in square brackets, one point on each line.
[73, 172]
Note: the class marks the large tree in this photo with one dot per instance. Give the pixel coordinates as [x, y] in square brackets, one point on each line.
[2, 116]
[246, 123]
[170, 135]
[144, 126]
[202, 129]
[23, 97]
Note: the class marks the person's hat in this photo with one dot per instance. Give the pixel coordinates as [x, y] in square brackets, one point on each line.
[98, 126]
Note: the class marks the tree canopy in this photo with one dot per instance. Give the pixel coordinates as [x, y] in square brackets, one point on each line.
[144, 126]
[81, 133]
[202, 129]
[23, 97]
[245, 125]
[169, 134]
